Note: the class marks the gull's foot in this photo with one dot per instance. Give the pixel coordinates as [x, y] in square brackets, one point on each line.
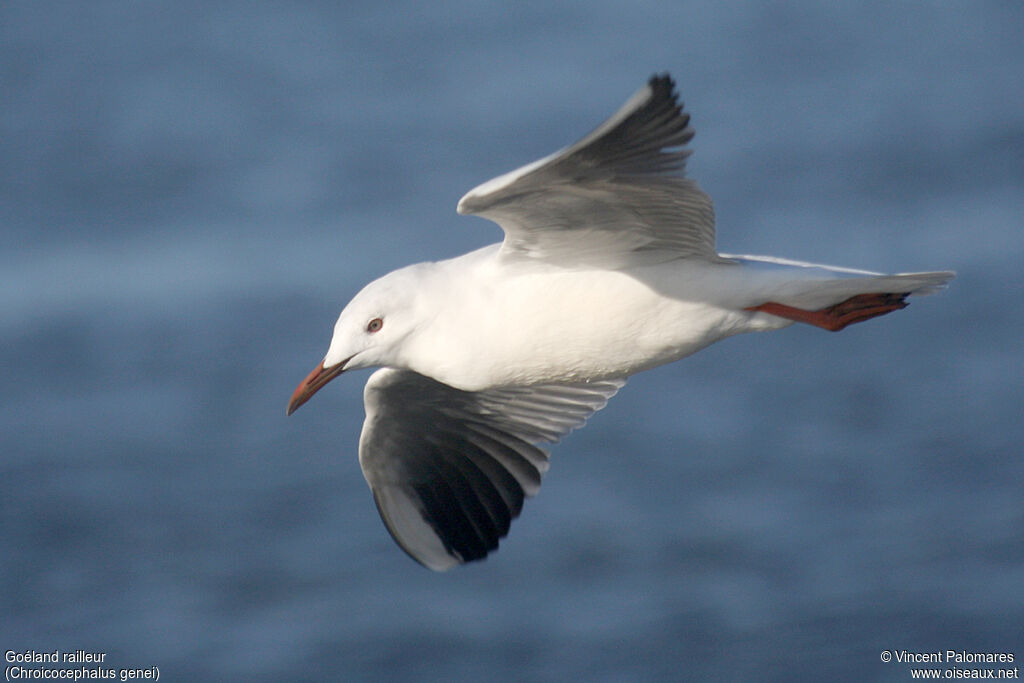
[834, 318]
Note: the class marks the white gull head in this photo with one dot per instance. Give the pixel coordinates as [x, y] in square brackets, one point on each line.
[371, 329]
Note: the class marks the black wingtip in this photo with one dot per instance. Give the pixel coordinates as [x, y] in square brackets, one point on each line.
[664, 86]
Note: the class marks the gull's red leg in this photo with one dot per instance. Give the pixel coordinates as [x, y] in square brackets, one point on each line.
[834, 318]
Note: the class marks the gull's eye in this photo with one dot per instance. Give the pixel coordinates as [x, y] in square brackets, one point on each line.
[374, 325]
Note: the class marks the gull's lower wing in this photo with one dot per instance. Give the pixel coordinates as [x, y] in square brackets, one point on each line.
[614, 197]
[449, 469]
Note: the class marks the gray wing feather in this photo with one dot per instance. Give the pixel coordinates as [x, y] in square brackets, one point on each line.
[449, 469]
[615, 197]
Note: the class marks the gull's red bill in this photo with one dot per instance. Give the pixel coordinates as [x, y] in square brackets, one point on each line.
[312, 384]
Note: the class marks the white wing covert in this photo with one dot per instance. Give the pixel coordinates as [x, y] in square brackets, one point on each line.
[614, 198]
[449, 469]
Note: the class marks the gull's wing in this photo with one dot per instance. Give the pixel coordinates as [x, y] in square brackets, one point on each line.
[614, 198]
[449, 469]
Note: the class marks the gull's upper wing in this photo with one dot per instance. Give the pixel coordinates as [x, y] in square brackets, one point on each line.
[449, 469]
[614, 198]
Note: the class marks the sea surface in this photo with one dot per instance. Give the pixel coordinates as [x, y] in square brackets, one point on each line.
[191, 191]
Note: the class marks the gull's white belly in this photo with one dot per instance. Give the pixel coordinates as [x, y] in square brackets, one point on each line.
[561, 325]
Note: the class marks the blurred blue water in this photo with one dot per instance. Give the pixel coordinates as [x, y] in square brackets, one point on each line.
[190, 192]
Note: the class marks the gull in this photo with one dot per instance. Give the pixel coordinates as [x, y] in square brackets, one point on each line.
[608, 267]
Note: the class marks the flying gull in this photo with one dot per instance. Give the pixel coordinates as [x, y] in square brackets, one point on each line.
[608, 268]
